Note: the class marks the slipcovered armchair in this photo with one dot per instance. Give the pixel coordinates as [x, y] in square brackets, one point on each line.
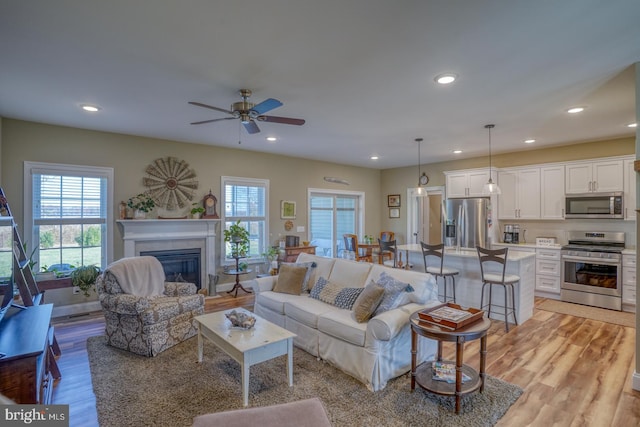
[143, 313]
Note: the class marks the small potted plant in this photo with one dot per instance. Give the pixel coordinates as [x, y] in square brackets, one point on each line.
[271, 255]
[85, 278]
[238, 236]
[196, 211]
[141, 204]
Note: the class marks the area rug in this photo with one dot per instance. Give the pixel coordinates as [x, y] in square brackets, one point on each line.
[172, 388]
[621, 318]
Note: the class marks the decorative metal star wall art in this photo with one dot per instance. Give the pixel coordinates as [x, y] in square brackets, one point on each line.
[171, 182]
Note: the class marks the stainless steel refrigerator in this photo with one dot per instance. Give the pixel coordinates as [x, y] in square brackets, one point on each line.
[466, 222]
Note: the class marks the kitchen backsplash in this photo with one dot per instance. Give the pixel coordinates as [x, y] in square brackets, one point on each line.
[558, 229]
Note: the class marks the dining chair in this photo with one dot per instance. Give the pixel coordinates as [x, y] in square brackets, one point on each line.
[351, 245]
[490, 261]
[438, 269]
[387, 236]
[388, 249]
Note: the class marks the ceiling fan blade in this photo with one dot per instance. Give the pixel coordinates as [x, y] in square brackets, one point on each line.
[251, 126]
[199, 104]
[266, 105]
[283, 120]
[211, 121]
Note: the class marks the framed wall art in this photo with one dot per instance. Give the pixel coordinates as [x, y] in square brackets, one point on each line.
[287, 209]
[394, 212]
[393, 200]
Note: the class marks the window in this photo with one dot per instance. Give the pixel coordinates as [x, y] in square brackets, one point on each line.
[332, 214]
[68, 211]
[247, 200]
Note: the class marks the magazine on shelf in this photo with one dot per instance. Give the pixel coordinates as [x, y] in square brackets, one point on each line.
[443, 371]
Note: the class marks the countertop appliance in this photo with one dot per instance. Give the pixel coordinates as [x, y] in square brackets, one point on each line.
[594, 205]
[466, 222]
[591, 269]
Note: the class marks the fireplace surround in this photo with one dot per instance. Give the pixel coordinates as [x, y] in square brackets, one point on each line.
[175, 235]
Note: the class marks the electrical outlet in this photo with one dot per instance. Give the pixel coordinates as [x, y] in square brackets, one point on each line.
[76, 290]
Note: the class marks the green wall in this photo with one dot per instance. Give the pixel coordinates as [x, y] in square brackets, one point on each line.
[129, 156]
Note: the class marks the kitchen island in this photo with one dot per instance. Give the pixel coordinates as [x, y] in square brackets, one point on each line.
[469, 282]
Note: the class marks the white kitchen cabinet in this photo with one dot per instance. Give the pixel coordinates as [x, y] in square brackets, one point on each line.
[548, 270]
[629, 190]
[552, 192]
[594, 176]
[520, 198]
[629, 280]
[466, 183]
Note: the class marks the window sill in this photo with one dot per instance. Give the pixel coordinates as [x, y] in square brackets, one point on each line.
[46, 285]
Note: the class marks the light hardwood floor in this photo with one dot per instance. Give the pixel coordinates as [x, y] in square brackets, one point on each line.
[575, 371]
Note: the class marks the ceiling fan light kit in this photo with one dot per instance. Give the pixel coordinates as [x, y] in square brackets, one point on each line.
[249, 113]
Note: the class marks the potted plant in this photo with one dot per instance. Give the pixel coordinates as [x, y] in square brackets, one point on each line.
[141, 204]
[238, 236]
[85, 278]
[271, 255]
[196, 211]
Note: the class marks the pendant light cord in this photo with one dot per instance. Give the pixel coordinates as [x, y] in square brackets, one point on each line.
[489, 127]
[419, 141]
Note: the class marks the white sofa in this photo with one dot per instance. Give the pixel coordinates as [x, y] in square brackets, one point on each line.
[374, 351]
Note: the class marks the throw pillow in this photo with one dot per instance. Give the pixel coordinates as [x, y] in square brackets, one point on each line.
[309, 266]
[393, 293]
[367, 302]
[334, 294]
[290, 279]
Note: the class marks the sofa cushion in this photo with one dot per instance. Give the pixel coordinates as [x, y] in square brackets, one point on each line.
[323, 266]
[274, 301]
[290, 279]
[306, 310]
[342, 325]
[367, 302]
[334, 294]
[350, 274]
[425, 288]
[394, 293]
[310, 266]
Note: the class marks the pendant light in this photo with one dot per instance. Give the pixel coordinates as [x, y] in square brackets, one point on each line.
[420, 192]
[490, 187]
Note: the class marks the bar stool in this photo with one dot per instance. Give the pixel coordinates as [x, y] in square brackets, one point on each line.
[439, 271]
[388, 248]
[487, 258]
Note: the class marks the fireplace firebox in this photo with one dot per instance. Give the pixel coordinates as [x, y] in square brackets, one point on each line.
[179, 264]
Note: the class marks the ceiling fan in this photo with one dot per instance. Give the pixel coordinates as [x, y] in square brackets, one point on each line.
[249, 113]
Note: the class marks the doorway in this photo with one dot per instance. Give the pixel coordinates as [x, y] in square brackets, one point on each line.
[332, 214]
[424, 222]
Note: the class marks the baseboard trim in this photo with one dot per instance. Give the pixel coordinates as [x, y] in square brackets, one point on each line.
[635, 381]
[76, 309]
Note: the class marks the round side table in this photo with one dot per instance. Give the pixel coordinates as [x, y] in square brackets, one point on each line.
[423, 374]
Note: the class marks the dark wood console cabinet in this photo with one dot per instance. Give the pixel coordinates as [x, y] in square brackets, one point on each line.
[28, 367]
[290, 253]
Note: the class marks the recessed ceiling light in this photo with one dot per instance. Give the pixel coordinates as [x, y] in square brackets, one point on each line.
[272, 138]
[457, 151]
[445, 79]
[575, 110]
[90, 108]
[632, 125]
[529, 141]
[374, 157]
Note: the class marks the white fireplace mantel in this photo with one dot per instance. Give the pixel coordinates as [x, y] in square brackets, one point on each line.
[158, 234]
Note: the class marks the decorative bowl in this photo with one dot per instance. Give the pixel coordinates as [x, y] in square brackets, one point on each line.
[241, 320]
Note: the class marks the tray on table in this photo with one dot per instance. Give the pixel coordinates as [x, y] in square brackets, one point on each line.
[450, 316]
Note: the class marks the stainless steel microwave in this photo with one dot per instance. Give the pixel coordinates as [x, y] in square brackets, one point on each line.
[594, 205]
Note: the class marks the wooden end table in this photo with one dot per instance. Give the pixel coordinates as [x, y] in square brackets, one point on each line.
[423, 374]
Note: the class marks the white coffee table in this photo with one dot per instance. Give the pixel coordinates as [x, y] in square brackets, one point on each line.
[247, 347]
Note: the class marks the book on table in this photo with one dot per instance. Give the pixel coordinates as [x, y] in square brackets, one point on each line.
[443, 371]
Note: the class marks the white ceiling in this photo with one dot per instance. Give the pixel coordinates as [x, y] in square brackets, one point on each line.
[360, 72]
